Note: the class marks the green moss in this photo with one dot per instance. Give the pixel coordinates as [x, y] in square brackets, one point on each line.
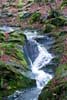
[57, 21]
[11, 81]
[17, 37]
[57, 87]
[12, 48]
[20, 4]
[35, 17]
[54, 13]
[63, 4]
[62, 33]
[49, 28]
[62, 70]
[12, 63]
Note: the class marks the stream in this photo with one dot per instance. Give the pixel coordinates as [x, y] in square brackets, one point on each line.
[37, 51]
[38, 57]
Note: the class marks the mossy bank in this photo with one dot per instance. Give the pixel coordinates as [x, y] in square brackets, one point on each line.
[13, 63]
[57, 88]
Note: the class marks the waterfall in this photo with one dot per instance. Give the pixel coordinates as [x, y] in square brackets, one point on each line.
[39, 57]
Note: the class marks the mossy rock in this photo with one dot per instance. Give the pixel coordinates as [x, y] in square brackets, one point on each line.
[12, 48]
[57, 21]
[16, 37]
[13, 63]
[55, 18]
[11, 81]
[57, 87]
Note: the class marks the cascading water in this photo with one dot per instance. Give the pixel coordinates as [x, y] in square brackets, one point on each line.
[38, 57]
[42, 59]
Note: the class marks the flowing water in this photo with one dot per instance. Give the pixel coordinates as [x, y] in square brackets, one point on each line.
[39, 57]
[36, 50]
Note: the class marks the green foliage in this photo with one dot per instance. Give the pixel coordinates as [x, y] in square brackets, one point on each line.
[54, 13]
[54, 20]
[12, 63]
[17, 38]
[12, 48]
[57, 88]
[49, 28]
[37, 1]
[35, 17]
[62, 70]
[64, 4]
[51, 1]
[46, 1]
[20, 4]
[11, 81]
[60, 21]
[62, 33]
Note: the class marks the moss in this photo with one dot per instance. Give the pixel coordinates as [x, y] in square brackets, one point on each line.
[56, 60]
[11, 47]
[17, 37]
[62, 70]
[12, 63]
[11, 81]
[63, 4]
[54, 13]
[63, 33]
[49, 28]
[35, 17]
[20, 4]
[57, 87]
[58, 47]
[57, 21]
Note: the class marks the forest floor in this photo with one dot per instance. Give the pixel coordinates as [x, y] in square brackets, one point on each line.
[30, 8]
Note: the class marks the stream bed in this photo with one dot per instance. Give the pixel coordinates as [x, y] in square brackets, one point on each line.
[37, 52]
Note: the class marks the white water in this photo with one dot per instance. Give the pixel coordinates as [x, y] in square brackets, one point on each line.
[6, 29]
[41, 60]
